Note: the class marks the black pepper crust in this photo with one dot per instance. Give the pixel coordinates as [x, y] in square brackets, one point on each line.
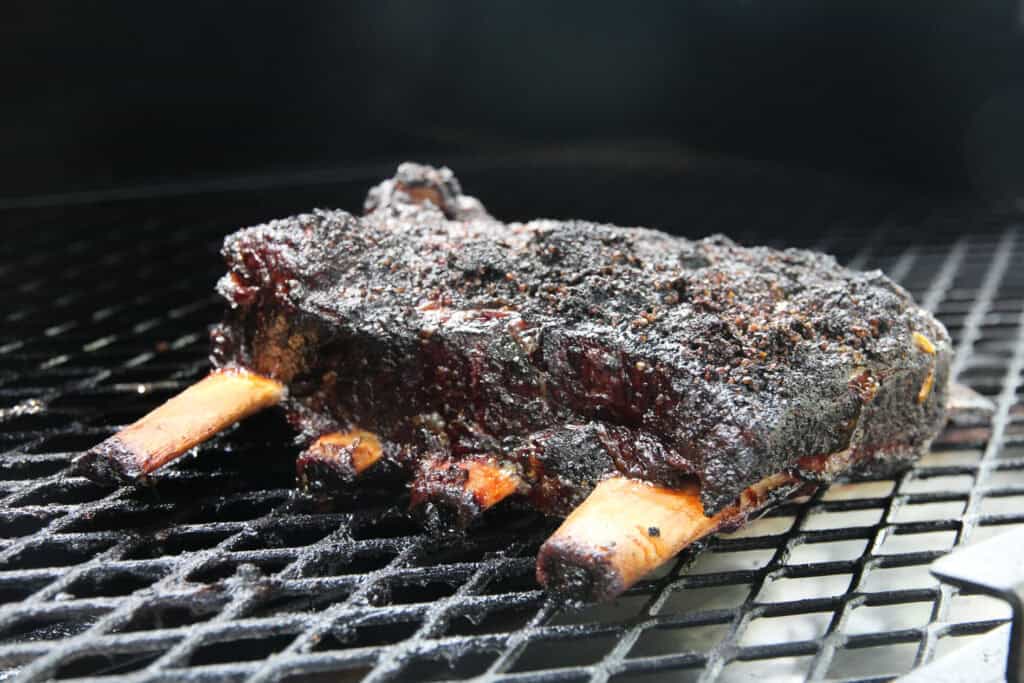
[575, 349]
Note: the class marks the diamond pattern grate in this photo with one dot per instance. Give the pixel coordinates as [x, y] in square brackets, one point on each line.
[221, 572]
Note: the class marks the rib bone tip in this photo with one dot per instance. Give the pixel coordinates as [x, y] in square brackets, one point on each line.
[110, 462]
[576, 573]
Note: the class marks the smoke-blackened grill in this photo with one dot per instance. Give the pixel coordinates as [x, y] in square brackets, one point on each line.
[221, 572]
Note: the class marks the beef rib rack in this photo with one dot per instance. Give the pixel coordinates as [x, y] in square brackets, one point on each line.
[649, 388]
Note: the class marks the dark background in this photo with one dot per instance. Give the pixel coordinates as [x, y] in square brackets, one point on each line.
[99, 95]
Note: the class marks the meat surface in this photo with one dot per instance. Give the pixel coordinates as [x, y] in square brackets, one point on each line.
[558, 353]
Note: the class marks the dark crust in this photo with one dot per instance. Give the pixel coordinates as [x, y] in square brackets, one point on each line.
[577, 572]
[321, 475]
[446, 331]
[111, 462]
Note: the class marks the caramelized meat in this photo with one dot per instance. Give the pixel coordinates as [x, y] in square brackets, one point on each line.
[565, 352]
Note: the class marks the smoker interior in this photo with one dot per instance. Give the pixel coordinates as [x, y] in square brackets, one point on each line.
[221, 572]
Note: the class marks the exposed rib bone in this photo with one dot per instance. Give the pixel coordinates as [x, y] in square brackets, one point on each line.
[451, 494]
[186, 420]
[362, 447]
[336, 459]
[627, 528]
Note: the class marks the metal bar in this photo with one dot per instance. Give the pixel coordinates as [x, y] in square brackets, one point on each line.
[994, 567]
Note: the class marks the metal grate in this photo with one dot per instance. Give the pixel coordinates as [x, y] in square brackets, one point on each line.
[221, 573]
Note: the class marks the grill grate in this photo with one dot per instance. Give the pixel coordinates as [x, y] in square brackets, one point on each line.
[222, 573]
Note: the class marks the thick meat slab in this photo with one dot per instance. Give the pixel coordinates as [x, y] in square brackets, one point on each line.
[566, 351]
